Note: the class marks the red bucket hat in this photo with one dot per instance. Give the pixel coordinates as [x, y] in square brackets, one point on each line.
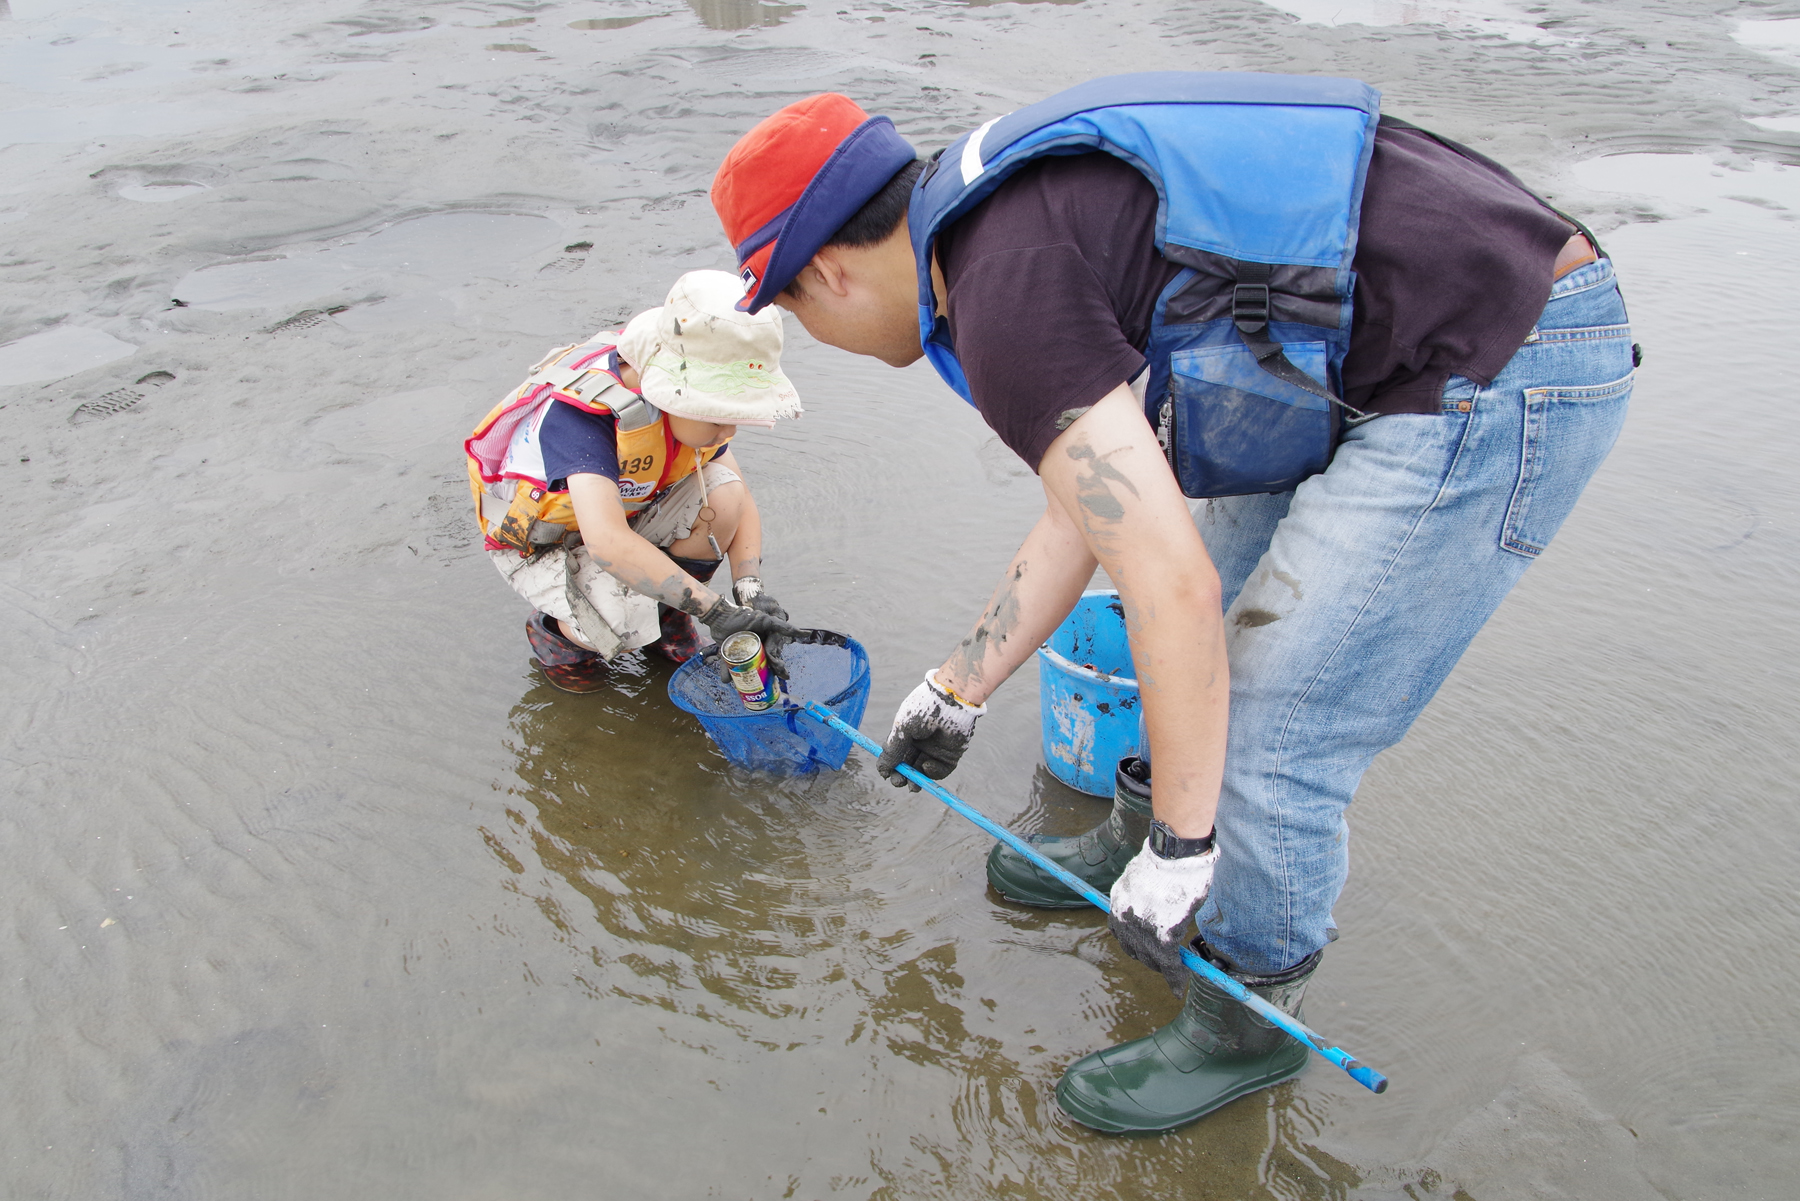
[792, 182]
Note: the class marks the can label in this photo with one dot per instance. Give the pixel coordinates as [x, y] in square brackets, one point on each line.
[757, 686]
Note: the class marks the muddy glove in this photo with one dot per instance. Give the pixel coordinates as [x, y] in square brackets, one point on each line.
[1154, 900]
[931, 731]
[725, 619]
[750, 593]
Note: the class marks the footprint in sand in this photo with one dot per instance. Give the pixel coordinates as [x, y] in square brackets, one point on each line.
[306, 319]
[119, 399]
[571, 259]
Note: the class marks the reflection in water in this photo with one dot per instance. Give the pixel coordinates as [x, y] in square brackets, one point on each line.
[613, 22]
[757, 916]
[701, 878]
[741, 14]
[1054, 808]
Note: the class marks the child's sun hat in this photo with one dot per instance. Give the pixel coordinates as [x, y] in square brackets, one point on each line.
[699, 356]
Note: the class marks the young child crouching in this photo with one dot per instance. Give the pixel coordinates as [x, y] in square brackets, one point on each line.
[607, 493]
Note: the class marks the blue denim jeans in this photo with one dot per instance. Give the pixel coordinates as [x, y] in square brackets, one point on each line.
[1349, 599]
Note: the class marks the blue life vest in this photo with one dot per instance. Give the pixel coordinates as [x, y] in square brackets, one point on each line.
[1260, 182]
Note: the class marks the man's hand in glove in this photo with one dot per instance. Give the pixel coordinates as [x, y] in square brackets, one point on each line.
[750, 594]
[931, 731]
[725, 619]
[1154, 899]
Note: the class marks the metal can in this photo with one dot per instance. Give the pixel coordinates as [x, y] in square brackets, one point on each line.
[759, 687]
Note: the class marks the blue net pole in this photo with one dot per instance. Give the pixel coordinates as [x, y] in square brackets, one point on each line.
[1360, 1072]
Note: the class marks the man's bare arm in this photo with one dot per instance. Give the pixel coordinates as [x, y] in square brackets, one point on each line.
[1107, 472]
[1041, 586]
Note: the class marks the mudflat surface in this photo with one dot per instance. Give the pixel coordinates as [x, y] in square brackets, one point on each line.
[314, 889]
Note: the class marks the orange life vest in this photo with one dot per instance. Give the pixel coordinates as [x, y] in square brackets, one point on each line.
[514, 506]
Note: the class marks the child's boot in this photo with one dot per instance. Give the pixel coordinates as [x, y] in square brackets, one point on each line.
[566, 665]
[681, 639]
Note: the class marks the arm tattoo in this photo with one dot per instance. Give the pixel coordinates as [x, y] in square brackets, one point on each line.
[995, 627]
[1092, 487]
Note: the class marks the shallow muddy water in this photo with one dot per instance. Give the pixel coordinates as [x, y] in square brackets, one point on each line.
[315, 889]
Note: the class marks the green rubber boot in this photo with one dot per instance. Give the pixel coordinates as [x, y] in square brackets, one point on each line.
[1097, 856]
[1214, 1051]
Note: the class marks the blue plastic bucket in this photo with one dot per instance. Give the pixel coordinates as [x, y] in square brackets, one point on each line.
[784, 741]
[1088, 694]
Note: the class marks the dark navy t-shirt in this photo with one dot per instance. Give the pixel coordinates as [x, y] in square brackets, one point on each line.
[575, 442]
[1052, 282]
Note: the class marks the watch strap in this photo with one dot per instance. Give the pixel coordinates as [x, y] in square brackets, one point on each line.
[1168, 845]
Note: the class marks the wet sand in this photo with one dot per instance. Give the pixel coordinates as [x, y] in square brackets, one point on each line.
[314, 889]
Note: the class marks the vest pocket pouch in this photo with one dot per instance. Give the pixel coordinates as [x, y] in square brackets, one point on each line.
[1232, 429]
[514, 529]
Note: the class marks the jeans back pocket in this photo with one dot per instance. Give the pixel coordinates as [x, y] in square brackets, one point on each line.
[1232, 429]
[1568, 432]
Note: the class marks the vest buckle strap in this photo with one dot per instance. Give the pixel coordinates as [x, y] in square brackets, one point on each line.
[543, 533]
[1250, 303]
[569, 365]
[567, 380]
[1250, 307]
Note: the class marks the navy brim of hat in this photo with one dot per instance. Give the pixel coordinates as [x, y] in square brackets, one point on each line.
[860, 167]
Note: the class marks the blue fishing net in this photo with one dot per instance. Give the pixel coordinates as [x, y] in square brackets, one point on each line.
[783, 741]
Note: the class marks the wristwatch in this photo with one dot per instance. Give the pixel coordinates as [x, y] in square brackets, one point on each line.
[1168, 845]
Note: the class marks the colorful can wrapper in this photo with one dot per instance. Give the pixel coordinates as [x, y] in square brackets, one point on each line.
[759, 687]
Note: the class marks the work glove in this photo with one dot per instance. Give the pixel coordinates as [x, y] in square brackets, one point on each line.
[725, 619]
[931, 730]
[1153, 905]
[750, 593]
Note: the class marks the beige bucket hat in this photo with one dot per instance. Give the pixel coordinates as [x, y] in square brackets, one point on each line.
[697, 356]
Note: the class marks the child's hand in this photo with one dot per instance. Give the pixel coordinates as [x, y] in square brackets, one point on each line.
[750, 592]
[725, 619]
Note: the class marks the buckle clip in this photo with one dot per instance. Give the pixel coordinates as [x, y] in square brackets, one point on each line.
[1250, 307]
